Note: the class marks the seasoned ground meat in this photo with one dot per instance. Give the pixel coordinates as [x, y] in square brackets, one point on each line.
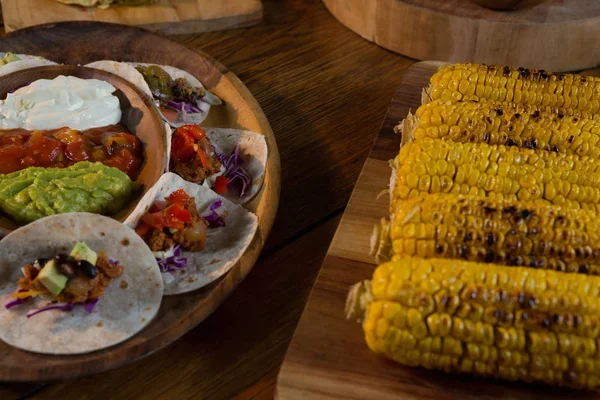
[79, 288]
[159, 240]
[182, 90]
[193, 171]
[192, 237]
[28, 282]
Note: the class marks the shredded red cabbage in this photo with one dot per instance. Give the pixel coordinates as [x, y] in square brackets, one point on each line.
[63, 307]
[182, 105]
[173, 262]
[13, 303]
[233, 169]
[90, 304]
[214, 219]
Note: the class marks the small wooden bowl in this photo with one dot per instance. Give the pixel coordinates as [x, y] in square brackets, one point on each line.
[139, 115]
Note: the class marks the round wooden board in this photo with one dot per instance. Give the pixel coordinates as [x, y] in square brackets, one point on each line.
[84, 42]
[555, 35]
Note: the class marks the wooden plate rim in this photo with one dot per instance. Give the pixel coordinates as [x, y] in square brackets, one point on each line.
[265, 205]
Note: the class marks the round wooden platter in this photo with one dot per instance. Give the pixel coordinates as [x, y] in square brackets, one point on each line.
[84, 42]
[555, 35]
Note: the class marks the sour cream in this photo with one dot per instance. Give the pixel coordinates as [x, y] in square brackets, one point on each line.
[65, 101]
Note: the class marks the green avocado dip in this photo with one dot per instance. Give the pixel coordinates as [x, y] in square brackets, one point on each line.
[35, 192]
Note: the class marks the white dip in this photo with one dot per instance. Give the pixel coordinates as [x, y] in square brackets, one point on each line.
[65, 101]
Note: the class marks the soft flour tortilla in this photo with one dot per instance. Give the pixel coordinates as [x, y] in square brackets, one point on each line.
[177, 73]
[253, 150]
[128, 72]
[123, 310]
[224, 245]
[125, 71]
[25, 63]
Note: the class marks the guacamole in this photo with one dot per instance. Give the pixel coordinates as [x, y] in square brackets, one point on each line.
[34, 192]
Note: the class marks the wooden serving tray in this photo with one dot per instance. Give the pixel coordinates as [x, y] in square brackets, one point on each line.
[84, 42]
[556, 35]
[166, 16]
[328, 357]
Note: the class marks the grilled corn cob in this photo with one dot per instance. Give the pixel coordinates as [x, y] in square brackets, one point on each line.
[497, 231]
[458, 316]
[499, 124]
[439, 166]
[528, 86]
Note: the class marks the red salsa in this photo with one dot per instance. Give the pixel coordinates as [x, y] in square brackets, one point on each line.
[111, 145]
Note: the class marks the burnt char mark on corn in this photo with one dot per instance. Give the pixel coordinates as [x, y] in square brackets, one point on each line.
[510, 125]
[511, 173]
[511, 323]
[501, 231]
[521, 86]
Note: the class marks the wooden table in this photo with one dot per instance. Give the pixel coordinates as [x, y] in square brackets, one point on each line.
[325, 91]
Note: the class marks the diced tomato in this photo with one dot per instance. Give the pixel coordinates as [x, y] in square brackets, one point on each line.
[192, 131]
[158, 205]
[182, 148]
[202, 156]
[153, 220]
[179, 213]
[221, 184]
[77, 152]
[165, 219]
[178, 197]
[44, 150]
[142, 228]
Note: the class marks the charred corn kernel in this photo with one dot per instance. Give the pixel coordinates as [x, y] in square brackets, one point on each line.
[550, 339]
[518, 174]
[499, 231]
[532, 87]
[504, 124]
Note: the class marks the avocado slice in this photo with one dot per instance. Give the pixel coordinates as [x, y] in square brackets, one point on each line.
[82, 252]
[52, 279]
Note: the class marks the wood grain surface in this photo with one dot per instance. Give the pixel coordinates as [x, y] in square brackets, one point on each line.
[556, 35]
[324, 91]
[68, 43]
[328, 357]
[166, 16]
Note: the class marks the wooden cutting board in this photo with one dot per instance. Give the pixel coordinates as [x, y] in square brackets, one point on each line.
[328, 357]
[556, 35]
[166, 16]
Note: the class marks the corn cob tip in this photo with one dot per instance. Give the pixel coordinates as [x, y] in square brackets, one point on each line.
[357, 301]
